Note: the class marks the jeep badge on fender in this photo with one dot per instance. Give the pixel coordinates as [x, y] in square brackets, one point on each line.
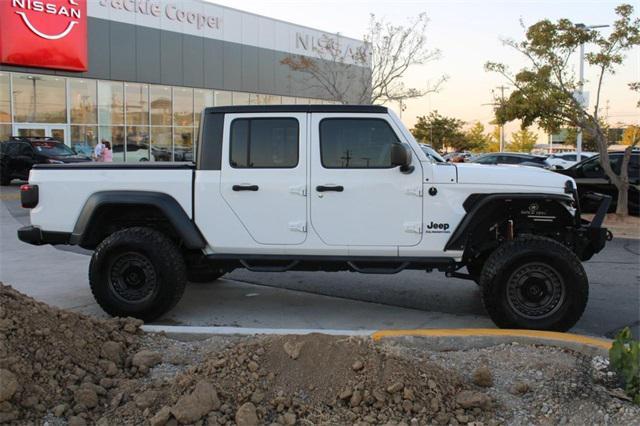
[320, 198]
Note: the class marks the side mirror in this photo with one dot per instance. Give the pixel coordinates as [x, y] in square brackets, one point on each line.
[401, 156]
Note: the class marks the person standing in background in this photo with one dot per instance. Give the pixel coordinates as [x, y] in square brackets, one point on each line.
[107, 154]
[97, 151]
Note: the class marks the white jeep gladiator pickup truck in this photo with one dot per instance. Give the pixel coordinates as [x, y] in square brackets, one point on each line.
[319, 187]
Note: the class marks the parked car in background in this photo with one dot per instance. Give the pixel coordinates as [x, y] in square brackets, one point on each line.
[432, 153]
[19, 154]
[564, 160]
[590, 177]
[511, 158]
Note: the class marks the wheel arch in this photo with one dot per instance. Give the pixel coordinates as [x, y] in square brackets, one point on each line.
[106, 211]
[486, 210]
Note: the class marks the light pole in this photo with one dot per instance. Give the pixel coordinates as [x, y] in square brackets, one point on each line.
[581, 84]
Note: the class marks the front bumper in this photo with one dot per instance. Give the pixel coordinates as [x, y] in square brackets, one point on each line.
[592, 236]
[37, 237]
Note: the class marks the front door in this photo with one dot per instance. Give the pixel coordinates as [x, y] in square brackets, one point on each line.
[56, 131]
[264, 175]
[357, 197]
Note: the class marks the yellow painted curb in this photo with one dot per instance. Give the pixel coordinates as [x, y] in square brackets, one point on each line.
[469, 332]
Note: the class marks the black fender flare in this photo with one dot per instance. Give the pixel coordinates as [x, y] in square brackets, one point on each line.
[479, 208]
[169, 206]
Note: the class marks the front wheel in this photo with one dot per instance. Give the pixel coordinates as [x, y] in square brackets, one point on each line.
[137, 272]
[534, 283]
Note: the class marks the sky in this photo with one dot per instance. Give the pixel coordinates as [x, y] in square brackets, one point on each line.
[468, 33]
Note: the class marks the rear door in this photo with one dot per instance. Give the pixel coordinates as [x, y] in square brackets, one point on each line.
[357, 197]
[264, 175]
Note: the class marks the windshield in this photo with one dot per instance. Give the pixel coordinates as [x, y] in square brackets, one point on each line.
[432, 153]
[52, 149]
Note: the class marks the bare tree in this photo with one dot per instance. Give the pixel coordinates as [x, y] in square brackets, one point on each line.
[372, 72]
[545, 92]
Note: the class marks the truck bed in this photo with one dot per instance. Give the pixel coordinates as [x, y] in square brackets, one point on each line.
[64, 188]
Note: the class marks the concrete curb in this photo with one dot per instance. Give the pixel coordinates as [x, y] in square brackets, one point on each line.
[438, 339]
[470, 338]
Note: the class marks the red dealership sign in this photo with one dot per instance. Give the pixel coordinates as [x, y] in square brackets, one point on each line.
[44, 33]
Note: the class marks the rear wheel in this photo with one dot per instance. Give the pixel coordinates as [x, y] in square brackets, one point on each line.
[534, 283]
[137, 272]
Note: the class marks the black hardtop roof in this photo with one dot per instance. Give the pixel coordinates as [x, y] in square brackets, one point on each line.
[370, 109]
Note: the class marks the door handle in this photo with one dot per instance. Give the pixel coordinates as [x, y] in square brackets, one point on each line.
[325, 188]
[245, 187]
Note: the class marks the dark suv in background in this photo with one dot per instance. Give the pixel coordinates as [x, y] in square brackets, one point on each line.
[19, 154]
[590, 177]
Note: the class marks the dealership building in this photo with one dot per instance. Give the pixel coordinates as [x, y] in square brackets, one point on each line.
[138, 73]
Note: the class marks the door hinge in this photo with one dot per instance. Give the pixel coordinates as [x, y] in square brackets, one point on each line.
[300, 226]
[417, 191]
[413, 227]
[300, 190]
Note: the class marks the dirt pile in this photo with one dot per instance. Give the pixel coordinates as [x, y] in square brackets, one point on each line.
[54, 360]
[61, 366]
[311, 379]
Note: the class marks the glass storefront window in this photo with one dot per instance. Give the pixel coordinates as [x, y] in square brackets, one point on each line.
[137, 103]
[182, 106]
[5, 132]
[222, 98]
[137, 144]
[161, 144]
[5, 105]
[39, 99]
[160, 99]
[114, 135]
[201, 99]
[241, 98]
[83, 98]
[183, 144]
[110, 103]
[84, 139]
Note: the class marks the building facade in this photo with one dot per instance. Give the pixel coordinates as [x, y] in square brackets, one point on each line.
[137, 73]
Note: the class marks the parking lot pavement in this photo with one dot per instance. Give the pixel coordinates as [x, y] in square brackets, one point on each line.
[338, 300]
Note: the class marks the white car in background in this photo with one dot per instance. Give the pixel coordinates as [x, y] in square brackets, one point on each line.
[564, 160]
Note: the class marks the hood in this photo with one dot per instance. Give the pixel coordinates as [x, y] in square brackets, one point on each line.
[504, 174]
[71, 158]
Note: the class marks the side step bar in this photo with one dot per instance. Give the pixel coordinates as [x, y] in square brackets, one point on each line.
[363, 264]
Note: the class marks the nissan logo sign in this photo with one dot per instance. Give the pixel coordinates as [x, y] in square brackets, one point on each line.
[44, 33]
[71, 11]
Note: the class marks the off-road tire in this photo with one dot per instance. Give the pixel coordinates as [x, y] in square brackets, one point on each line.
[537, 257]
[158, 262]
[202, 276]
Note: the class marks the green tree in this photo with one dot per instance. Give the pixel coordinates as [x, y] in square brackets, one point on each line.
[545, 91]
[522, 141]
[494, 140]
[477, 139]
[439, 131]
[631, 135]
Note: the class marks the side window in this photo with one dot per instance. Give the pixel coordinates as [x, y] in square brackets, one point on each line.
[264, 143]
[506, 159]
[592, 168]
[356, 143]
[634, 166]
[569, 157]
[487, 159]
